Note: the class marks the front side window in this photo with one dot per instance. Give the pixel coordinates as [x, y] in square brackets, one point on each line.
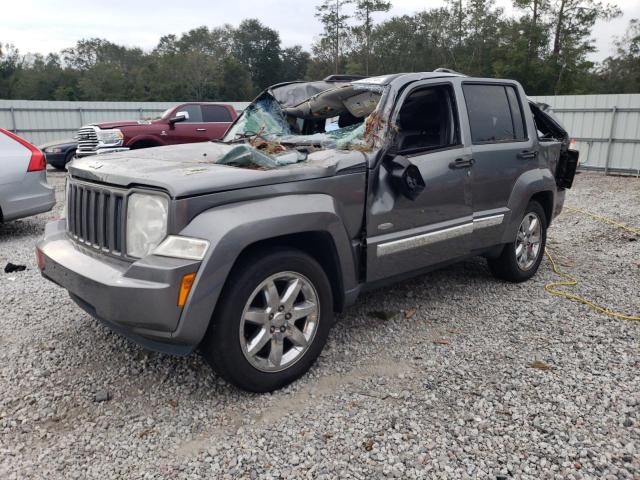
[194, 111]
[494, 113]
[427, 120]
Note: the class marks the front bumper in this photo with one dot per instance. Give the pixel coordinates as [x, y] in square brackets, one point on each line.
[138, 300]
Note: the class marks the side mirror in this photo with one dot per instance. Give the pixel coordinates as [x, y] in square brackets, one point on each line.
[180, 117]
[406, 177]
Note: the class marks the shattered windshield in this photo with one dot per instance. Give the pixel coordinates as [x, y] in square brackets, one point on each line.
[268, 134]
[263, 118]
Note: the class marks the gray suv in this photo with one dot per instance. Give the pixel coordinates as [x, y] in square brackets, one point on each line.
[319, 191]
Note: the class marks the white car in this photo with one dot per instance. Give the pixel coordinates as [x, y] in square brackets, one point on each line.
[24, 190]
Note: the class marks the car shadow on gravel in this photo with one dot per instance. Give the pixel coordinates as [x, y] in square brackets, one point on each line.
[21, 228]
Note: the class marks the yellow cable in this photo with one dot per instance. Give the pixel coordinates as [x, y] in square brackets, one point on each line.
[570, 280]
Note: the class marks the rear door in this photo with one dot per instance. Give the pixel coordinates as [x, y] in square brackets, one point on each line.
[191, 130]
[217, 119]
[503, 149]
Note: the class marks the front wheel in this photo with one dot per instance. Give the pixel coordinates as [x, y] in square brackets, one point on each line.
[271, 322]
[521, 258]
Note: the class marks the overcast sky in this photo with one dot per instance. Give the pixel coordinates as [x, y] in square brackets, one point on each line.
[45, 26]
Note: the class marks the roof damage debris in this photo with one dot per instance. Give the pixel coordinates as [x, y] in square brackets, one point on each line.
[283, 125]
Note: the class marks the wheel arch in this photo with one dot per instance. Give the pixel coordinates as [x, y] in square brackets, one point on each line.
[545, 199]
[310, 223]
[319, 245]
[537, 184]
[144, 141]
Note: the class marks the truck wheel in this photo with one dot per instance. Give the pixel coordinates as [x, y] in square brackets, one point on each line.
[520, 259]
[271, 322]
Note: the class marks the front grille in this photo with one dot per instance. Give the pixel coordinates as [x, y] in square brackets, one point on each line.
[95, 217]
[87, 139]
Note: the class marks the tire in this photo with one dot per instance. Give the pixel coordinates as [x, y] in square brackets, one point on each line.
[227, 346]
[516, 268]
[68, 157]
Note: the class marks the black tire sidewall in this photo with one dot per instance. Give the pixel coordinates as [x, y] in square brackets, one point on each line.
[221, 345]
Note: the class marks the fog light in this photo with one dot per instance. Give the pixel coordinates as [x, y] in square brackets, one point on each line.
[185, 288]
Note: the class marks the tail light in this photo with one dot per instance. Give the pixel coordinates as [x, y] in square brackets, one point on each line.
[38, 161]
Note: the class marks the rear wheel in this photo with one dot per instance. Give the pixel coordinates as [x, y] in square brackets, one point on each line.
[521, 258]
[271, 322]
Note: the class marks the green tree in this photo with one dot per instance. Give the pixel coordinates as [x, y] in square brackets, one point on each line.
[333, 16]
[621, 72]
[257, 48]
[573, 21]
[364, 10]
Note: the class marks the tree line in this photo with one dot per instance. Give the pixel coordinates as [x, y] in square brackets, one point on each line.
[545, 45]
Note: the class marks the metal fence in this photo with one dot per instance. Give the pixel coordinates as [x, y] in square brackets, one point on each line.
[46, 121]
[606, 129]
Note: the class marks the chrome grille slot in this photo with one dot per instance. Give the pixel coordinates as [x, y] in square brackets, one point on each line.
[87, 139]
[96, 217]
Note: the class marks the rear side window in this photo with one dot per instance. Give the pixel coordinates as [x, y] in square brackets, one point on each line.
[215, 113]
[495, 114]
[195, 114]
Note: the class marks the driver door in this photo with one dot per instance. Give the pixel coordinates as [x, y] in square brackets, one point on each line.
[405, 235]
[191, 130]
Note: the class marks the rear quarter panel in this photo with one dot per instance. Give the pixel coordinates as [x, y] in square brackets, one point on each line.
[14, 159]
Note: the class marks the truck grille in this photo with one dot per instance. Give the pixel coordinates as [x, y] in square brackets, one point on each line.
[95, 217]
[87, 140]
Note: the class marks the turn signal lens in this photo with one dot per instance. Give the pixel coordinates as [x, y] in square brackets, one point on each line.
[40, 258]
[185, 288]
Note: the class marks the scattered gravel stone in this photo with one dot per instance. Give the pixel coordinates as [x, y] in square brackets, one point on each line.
[445, 392]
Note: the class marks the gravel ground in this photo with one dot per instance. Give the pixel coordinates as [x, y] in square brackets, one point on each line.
[450, 375]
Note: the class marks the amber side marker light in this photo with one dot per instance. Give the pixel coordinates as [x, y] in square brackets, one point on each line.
[40, 258]
[185, 288]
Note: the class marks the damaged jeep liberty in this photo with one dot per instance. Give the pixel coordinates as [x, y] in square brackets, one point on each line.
[244, 248]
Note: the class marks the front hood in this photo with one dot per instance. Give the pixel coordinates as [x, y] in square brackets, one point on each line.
[122, 123]
[190, 169]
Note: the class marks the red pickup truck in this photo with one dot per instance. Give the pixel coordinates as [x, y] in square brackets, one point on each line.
[185, 123]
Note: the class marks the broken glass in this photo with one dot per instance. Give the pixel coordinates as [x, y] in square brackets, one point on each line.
[264, 118]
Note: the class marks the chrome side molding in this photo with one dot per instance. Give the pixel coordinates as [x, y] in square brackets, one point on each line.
[424, 239]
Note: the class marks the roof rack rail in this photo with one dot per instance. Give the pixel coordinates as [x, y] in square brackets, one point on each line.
[448, 70]
[343, 78]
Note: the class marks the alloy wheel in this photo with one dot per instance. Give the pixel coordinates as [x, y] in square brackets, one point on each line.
[528, 241]
[279, 321]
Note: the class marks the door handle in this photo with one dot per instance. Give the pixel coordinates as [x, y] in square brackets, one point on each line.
[462, 163]
[528, 154]
[201, 129]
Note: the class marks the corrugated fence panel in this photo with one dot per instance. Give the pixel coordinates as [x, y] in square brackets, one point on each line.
[606, 129]
[43, 121]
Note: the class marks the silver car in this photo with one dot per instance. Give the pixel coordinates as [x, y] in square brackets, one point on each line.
[23, 179]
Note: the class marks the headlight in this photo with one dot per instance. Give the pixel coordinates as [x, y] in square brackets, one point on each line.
[53, 150]
[182, 247]
[111, 137]
[146, 223]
